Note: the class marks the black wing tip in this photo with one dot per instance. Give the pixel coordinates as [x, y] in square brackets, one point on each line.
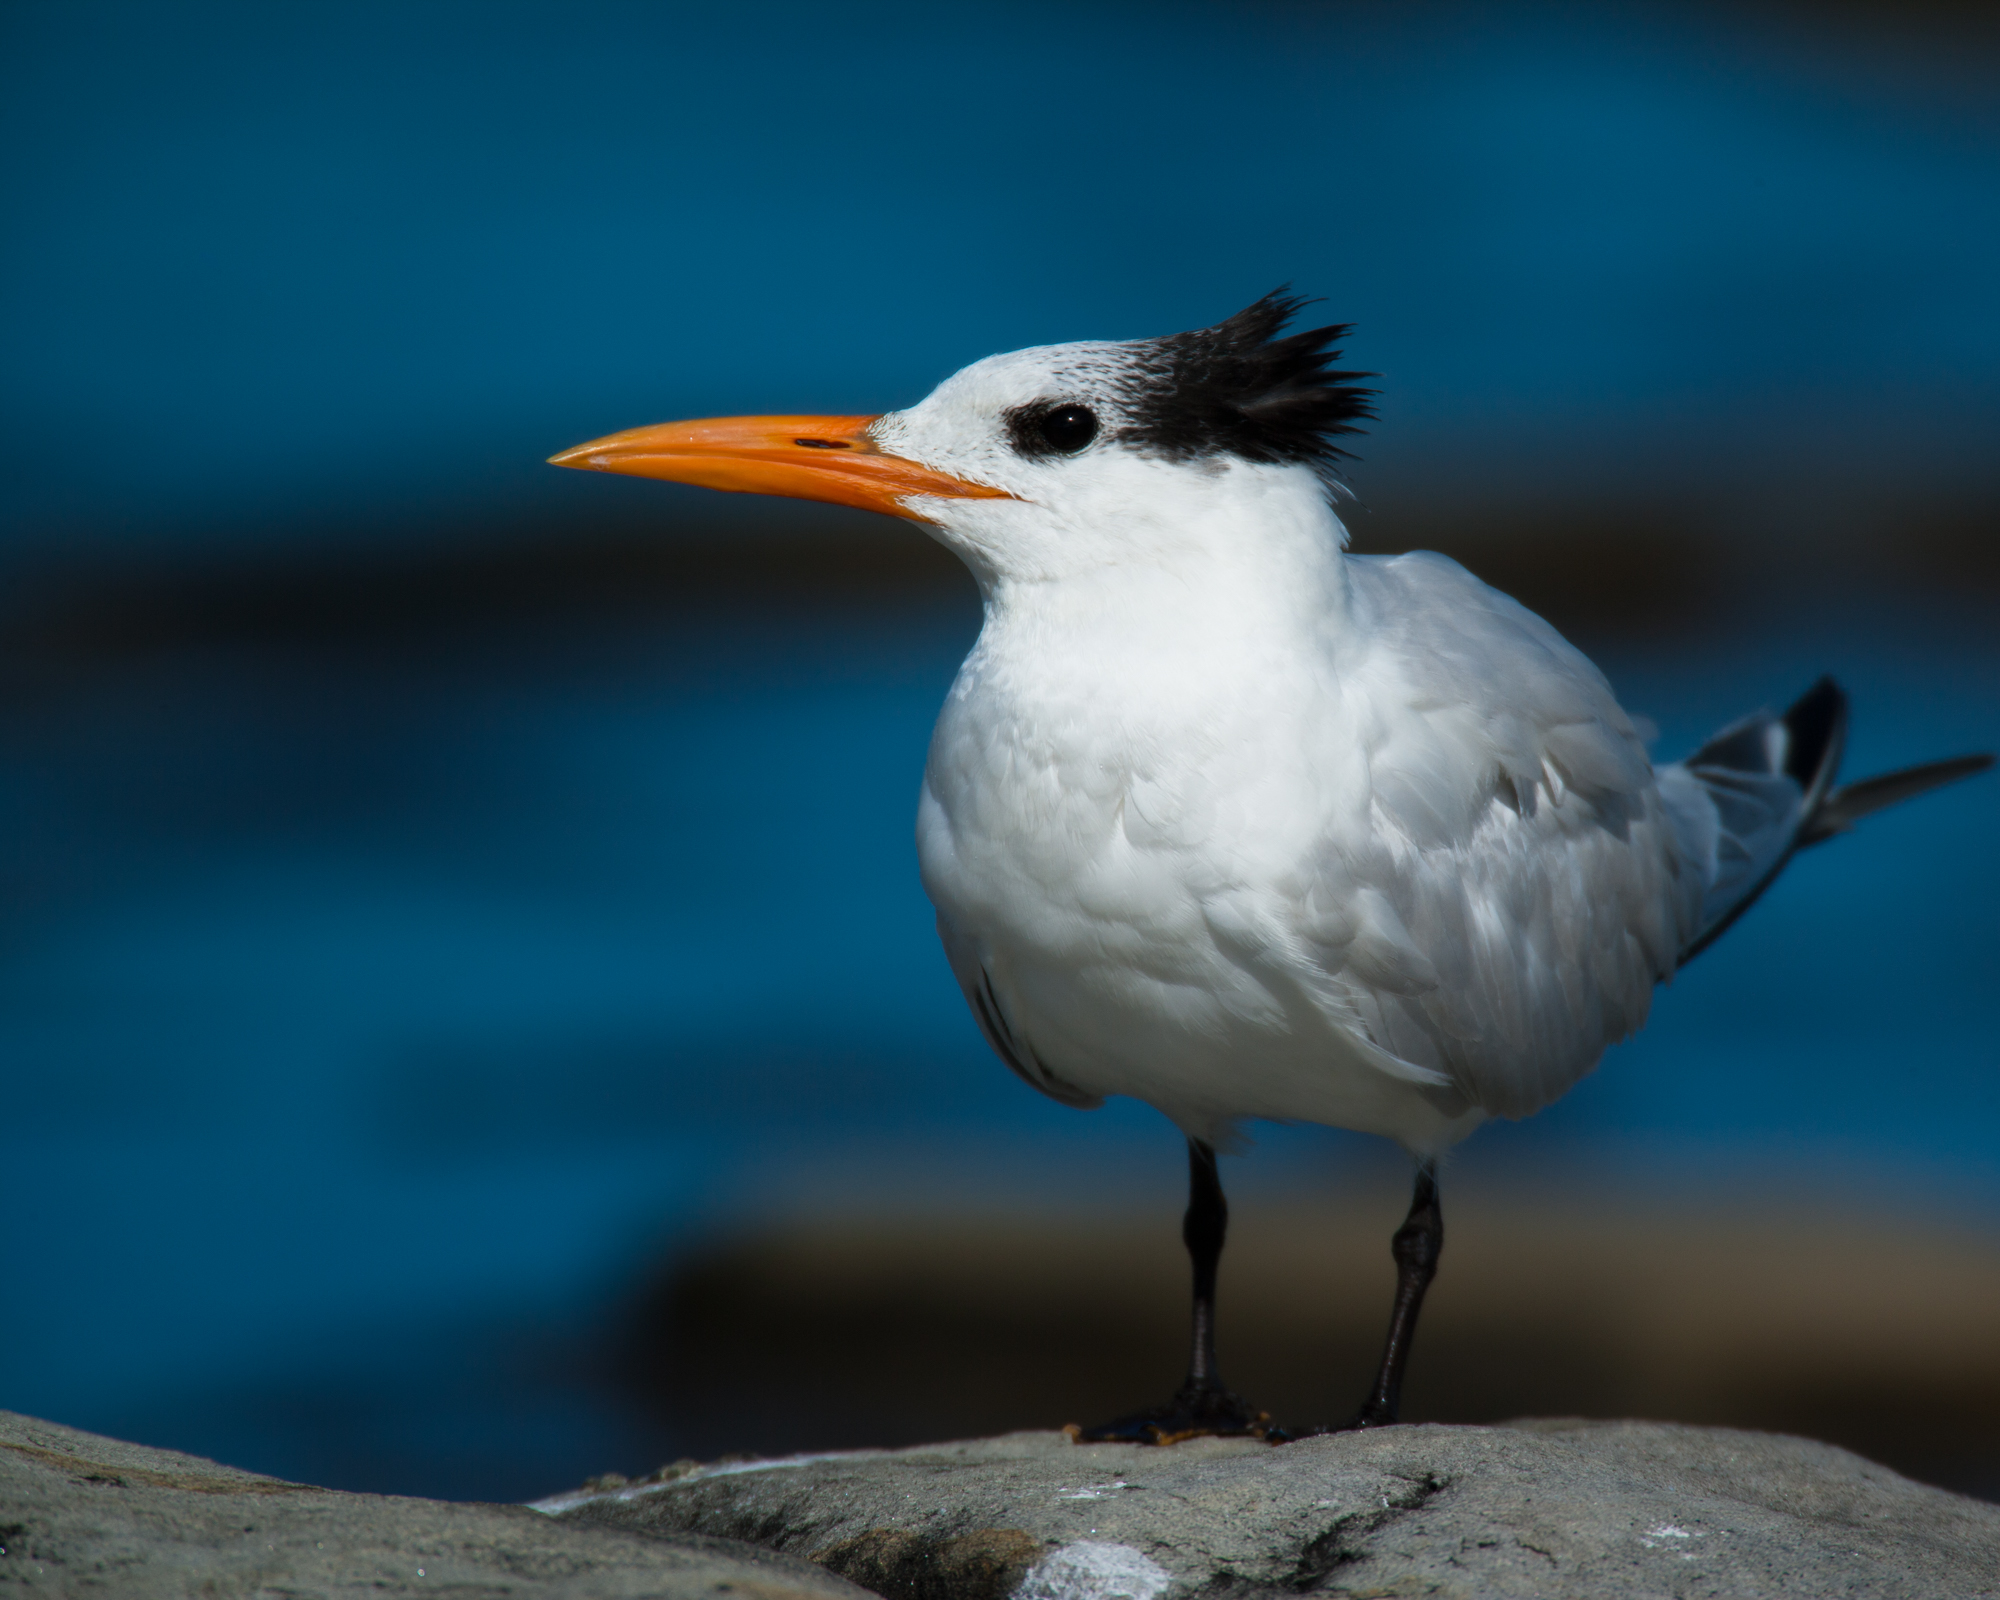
[1817, 725]
[1816, 732]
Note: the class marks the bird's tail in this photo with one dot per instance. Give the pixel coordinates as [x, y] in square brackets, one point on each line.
[1850, 802]
[1771, 784]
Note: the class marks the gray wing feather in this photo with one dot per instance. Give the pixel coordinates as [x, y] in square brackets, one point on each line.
[1764, 788]
[1748, 796]
[1524, 859]
[1530, 876]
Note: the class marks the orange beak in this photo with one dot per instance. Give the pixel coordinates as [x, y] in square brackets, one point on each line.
[807, 458]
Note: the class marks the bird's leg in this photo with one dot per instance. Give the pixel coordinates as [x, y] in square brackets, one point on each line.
[1204, 1405]
[1204, 1229]
[1416, 1247]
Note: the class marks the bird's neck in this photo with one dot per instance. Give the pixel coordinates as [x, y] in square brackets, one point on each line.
[1223, 582]
[1201, 630]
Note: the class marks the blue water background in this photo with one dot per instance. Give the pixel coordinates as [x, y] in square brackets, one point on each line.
[290, 273]
[371, 1017]
[364, 1023]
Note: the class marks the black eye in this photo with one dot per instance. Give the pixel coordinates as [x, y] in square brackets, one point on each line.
[1051, 430]
[1068, 428]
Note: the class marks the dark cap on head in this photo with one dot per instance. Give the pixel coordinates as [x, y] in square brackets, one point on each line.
[1241, 389]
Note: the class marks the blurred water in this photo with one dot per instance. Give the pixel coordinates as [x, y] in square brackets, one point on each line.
[369, 1017]
[281, 273]
[372, 1009]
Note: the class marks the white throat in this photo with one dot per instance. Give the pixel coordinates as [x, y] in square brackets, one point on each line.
[1234, 533]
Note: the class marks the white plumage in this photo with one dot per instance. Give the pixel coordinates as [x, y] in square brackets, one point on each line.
[1221, 817]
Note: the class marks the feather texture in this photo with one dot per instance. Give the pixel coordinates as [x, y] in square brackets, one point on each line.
[1220, 817]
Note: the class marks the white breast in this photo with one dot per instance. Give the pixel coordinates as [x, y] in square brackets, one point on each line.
[1122, 790]
[1247, 828]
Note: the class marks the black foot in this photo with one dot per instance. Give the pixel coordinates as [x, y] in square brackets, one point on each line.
[1194, 1413]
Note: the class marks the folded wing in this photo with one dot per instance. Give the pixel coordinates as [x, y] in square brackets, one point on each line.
[1522, 885]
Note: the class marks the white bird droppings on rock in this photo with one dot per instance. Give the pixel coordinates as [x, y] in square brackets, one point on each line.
[1094, 1571]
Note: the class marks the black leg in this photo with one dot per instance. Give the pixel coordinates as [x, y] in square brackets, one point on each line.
[1416, 1247]
[1204, 1405]
[1204, 1227]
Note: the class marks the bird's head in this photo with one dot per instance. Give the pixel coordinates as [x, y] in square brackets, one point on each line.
[1047, 460]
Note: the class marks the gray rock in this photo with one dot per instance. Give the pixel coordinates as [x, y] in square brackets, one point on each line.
[1561, 1508]
[83, 1515]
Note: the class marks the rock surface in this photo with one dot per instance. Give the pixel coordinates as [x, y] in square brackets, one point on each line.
[84, 1515]
[1539, 1508]
[1557, 1508]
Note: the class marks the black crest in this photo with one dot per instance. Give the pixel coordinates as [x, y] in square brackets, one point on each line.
[1241, 389]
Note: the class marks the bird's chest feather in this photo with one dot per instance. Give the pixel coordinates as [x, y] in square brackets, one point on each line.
[1086, 802]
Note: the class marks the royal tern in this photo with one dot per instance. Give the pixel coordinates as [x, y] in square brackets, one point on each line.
[1221, 817]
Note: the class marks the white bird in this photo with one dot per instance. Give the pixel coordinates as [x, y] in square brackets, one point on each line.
[1221, 817]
